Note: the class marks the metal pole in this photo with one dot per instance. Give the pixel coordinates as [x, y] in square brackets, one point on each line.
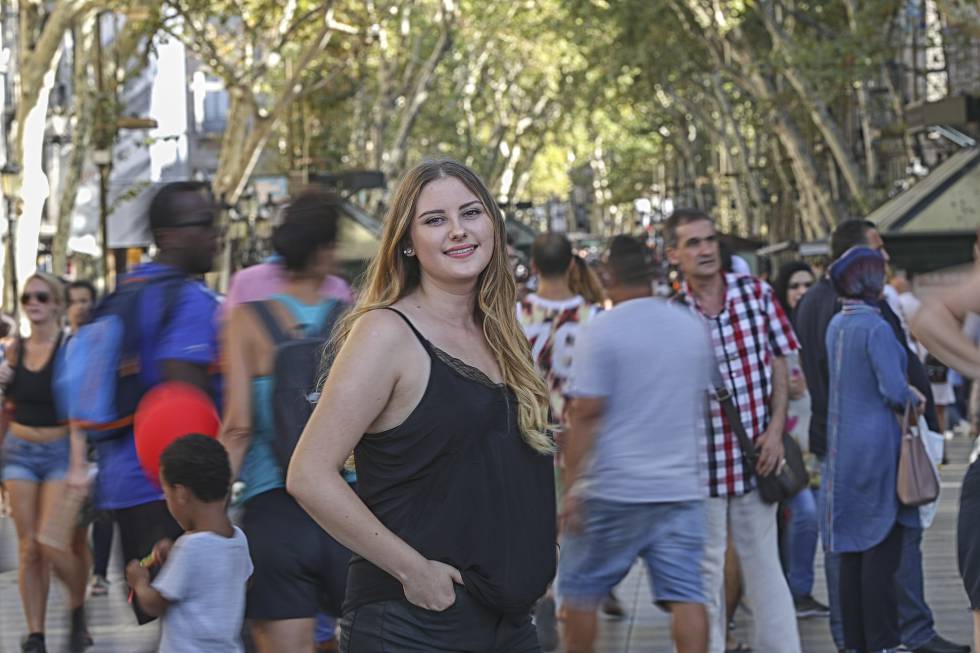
[108, 264]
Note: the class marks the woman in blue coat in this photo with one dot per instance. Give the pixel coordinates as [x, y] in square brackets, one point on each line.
[869, 393]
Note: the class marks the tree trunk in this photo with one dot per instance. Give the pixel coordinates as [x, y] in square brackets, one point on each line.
[756, 204]
[394, 161]
[36, 72]
[819, 112]
[761, 87]
[81, 136]
[868, 131]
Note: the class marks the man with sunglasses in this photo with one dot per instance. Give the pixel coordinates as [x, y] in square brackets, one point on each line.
[178, 342]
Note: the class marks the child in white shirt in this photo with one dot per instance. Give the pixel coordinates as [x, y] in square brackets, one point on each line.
[200, 590]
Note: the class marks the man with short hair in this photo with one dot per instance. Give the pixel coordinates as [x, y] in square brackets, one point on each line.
[633, 452]
[751, 337]
[81, 301]
[552, 316]
[178, 342]
[811, 319]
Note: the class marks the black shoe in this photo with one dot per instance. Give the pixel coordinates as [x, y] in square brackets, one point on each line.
[79, 638]
[611, 607]
[33, 644]
[808, 606]
[545, 624]
[940, 645]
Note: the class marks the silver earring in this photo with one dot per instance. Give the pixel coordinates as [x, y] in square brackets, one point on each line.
[408, 251]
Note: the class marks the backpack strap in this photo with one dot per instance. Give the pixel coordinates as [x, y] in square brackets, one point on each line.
[334, 310]
[272, 327]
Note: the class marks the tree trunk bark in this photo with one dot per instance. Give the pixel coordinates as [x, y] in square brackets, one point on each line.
[756, 204]
[761, 87]
[819, 112]
[394, 161]
[81, 137]
[36, 71]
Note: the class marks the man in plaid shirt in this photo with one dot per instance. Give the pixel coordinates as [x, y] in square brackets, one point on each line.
[751, 337]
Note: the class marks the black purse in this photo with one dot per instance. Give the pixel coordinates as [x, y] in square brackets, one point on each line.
[790, 476]
[937, 370]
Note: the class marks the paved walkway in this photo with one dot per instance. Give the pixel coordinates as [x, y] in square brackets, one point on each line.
[646, 629]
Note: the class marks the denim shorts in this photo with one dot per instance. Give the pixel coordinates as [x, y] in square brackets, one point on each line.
[669, 537]
[36, 462]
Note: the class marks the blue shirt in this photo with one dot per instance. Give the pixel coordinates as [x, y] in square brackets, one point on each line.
[189, 336]
[868, 388]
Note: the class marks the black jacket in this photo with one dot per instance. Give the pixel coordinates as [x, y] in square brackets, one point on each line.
[810, 321]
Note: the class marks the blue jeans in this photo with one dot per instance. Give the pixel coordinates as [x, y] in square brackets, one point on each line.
[800, 543]
[914, 616]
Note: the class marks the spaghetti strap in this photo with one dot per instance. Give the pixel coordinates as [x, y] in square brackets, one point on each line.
[425, 343]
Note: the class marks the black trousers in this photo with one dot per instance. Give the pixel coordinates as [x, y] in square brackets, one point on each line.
[868, 598]
[102, 528]
[968, 534]
[464, 626]
[140, 527]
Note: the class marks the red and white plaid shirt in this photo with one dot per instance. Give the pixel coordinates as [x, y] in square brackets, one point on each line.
[750, 330]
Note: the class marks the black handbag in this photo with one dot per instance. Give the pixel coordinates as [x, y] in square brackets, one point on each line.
[790, 476]
[937, 370]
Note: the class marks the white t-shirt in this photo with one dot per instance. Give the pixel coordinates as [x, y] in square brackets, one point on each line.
[204, 580]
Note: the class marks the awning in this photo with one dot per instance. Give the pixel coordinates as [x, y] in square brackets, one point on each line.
[946, 200]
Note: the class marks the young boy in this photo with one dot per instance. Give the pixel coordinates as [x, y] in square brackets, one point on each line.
[200, 591]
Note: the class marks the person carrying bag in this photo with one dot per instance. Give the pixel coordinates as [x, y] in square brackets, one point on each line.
[790, 476]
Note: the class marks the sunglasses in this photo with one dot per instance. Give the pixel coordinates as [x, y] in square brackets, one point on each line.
[41, 297]
[805, 285]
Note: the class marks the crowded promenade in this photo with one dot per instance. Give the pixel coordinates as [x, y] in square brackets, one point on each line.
[606, 456]
[643, 629]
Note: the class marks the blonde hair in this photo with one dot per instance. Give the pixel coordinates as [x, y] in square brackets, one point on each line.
[53, 283]
[583, 281]
[392, 275]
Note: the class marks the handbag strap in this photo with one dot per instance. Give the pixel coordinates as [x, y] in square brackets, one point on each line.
[724, 397]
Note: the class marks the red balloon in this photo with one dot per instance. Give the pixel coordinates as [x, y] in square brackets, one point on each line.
[167, 412]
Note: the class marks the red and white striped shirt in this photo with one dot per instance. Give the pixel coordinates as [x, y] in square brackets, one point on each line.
[750, 330]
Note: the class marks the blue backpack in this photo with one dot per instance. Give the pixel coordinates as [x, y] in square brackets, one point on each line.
[101, 376]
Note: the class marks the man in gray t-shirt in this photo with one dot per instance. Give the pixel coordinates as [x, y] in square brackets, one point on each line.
[632, 455]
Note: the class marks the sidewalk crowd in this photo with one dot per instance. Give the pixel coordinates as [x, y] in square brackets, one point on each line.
[442, 461]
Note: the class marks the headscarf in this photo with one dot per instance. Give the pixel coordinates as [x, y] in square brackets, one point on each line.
[859, 274]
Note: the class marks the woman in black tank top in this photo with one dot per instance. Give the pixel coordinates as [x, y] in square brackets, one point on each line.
[453, 523]
[36, 455]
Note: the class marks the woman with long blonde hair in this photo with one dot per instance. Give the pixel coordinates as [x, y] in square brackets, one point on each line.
[433, 388]
[36, 456]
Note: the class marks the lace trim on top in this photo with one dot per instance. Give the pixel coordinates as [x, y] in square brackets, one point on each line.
[465, 370]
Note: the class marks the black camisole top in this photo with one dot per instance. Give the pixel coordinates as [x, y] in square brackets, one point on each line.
[33, 392]
[457, 482]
